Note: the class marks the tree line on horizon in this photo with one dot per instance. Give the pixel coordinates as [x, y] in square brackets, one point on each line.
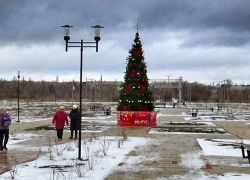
[108, 91]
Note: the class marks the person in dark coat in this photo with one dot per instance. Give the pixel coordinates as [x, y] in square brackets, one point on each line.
[4, 131]
[59, 119]
[74, 116]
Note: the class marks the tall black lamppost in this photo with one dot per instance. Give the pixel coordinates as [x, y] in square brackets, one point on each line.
[206, 97]
[18, 76]
[81, 45]
[55, 96]
[113, 96]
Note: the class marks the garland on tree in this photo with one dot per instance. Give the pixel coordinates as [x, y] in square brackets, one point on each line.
[135, 93]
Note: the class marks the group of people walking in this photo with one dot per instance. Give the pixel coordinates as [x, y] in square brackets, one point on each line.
[60, 119]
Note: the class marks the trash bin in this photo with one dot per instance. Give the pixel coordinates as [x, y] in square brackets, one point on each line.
[194, 114]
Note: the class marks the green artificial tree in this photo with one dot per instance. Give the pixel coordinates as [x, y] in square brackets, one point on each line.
[135, 93]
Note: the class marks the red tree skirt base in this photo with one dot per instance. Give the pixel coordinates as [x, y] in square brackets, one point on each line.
[136, 118]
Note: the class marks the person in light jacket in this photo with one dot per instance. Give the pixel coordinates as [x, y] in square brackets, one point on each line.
[4, 131]
[59, 119]
[74, 116]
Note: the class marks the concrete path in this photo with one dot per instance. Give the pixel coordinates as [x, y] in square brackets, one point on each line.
[163, 152]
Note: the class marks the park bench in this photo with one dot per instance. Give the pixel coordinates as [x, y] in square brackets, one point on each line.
[195, 110]
[106, 110]
[247, 147]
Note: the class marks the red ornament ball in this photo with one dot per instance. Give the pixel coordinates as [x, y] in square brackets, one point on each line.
[134, 79]
[139, 66]
[149, 95]
[139, 94]
[142, 94]
[138, 79]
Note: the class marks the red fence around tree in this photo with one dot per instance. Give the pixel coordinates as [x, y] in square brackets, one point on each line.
[136, 118]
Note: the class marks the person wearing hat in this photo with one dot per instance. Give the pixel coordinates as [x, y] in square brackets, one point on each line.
[4, 131]
[74, 116]
[59, 119]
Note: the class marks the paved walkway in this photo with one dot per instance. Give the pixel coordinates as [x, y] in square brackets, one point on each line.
[163, 152]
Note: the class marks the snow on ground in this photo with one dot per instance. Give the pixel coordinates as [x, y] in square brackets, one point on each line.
[172, 115]
[193, 162]
[98, 120]
[186, 123]
[212, 118]
[169, 130]
[38, 111]
[65, 155]
[222, 147]
[96, 117]
[20, 137]
[201, 175]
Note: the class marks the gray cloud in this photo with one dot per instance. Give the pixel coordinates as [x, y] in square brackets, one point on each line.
[182, 35]
[39, 21]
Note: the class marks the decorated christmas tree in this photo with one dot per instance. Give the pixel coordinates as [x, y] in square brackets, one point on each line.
[135, 93]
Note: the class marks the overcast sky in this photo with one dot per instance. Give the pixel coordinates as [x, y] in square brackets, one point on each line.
[200, 40]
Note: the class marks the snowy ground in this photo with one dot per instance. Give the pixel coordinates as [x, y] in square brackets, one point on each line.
[20, 137]
[222, 147]
[61, 162]
[37, 111]
[93, 128]
[234, 112]
[191, 130]
[185, 123]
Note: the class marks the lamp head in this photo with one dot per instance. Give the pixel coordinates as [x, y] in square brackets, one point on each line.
[97, 29]
[66, 29]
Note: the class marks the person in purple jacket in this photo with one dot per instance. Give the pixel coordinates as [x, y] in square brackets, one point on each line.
[4, 131]
[59, 119]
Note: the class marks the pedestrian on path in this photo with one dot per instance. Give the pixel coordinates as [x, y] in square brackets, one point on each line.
[74, 116]
[4, 129]
[59, 119]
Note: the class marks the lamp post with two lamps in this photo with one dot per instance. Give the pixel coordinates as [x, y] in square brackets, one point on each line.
[81, 45]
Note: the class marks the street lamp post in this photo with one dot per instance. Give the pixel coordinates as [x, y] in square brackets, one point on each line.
[206, 97]
[67, 38]
[55, 96]
[18, 76]
[113, 96]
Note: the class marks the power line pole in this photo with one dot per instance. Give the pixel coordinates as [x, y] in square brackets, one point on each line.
[168, 78]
